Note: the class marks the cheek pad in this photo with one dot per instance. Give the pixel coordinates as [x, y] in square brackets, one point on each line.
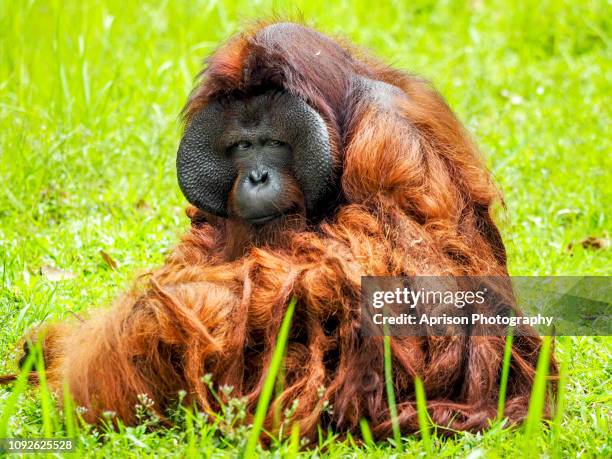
[312, 156]
[205, 173]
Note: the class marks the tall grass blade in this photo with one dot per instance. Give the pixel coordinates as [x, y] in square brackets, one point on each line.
[192, 450]
[538, 392]
[503, 383]
[391, 393]
[366, 432]
[46, 402]
[19, 388]
[294, 441]
[422, 415]
[560, 409]
[69, 419]
[278, 389]
[269, 383]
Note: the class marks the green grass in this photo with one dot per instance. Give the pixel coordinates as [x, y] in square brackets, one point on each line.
[397, 436]
[90, 93]
[423, 416]
[266, 392]
[503, 379]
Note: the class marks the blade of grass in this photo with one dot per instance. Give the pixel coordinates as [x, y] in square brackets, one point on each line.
[538, 392]
[351, 441]
[390, 392]
[422, 415]
[269, 383]
[19, 388]
[294, 441]
[69, 419]
[366, 432]
[558, 419]
[192, 451]
[503, 383]
[46, 403]
[278, 389]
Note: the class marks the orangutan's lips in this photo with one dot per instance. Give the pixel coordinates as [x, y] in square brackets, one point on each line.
[262, 220]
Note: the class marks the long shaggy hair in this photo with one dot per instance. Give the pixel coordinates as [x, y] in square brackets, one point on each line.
[415, 199]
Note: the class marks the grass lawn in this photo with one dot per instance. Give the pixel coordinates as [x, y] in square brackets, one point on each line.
[90, 93]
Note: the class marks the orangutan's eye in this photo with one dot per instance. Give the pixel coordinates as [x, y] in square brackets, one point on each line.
[243, 145]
